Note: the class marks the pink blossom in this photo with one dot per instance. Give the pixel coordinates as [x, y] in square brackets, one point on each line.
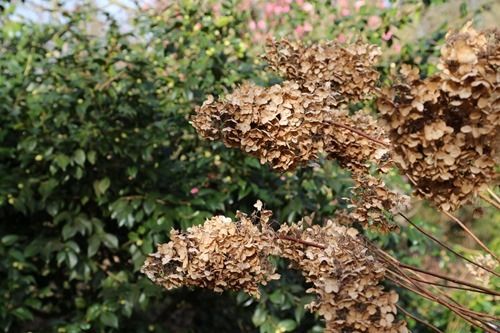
[396, 47]
[307, 27]
[261, 25]
[269, 8]
[299, 31]
[374, 22]
[307, 7]
[299, 2]
[358, 4]
[341, 38]
[344, 3]
[252, 25]
[387, 35]
[345, 12]
[194, 190]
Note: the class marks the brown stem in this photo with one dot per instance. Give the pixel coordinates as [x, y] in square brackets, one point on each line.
[320, 246]
[489, 200]
[470, 233]
[447, 247]
[448, 278]
[460, 311]
[359, 132]
[497, 199]
[434, 328]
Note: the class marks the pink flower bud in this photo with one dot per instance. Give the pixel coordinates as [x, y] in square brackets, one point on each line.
[194, 190]
[374, 22]
[387, 36]
[252, 25]
[307, 7]
[261, 25]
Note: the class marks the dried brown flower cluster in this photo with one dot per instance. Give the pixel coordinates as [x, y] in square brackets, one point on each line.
[345, 278]
[219, 255]
[293, 123]
[445, 128]
[482, 275]
[286, 127]
[223, 255]
[372, 200]
[348, 69]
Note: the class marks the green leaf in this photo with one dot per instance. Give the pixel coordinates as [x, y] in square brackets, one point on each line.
[277, 297]
[68, 231]
[259, 316]
[94, 243]
[79, 157]
[9, 239]
[72, 259]
[110, 241]
[91, 157]
[109, 319]
[100, 187]
[47, 187]
[287, 325]
[23, 314]
[62, 161]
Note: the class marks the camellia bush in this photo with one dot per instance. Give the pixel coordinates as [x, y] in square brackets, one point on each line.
[102, 155]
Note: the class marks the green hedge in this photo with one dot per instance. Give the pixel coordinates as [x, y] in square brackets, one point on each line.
[98, 162]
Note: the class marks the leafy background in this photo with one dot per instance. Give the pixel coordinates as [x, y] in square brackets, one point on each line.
[98, 160]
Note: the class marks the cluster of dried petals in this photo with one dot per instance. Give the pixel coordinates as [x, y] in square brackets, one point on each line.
[348, 69]
[445, 129]
[219, 255]
[372, 201]
[344, 276]
[482, 275]
[286, 127]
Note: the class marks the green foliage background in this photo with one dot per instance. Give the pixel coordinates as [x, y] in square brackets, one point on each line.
[98, 162]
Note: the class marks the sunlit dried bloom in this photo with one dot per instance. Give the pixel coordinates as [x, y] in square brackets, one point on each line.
[219, 255]
[225, 255]
[286, 127]
[372, 202]
[345, 278]
[445, 129]
[482, 275]
[348, 69]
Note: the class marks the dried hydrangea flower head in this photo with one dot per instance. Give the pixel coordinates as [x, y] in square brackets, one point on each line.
[344, 276]
[290, 124]
[348, 69]
[285, 127]
[219, 255]
[226, 255]
[445, 129]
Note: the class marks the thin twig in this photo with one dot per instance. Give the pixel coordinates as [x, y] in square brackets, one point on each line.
[447, 247]
[359, 132]
[470, 233]
[489, 200]
[449, 278]
[320, 246]
[497, 199]
[419, 320]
